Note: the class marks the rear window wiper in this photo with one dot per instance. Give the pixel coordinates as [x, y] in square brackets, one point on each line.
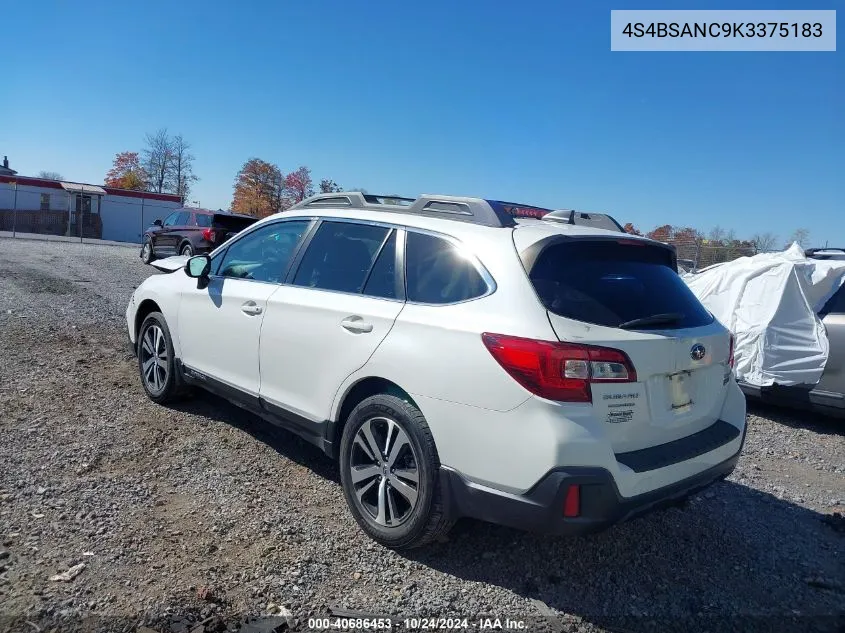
[655, 319]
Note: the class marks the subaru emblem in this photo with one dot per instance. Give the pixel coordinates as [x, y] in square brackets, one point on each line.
[697, 352]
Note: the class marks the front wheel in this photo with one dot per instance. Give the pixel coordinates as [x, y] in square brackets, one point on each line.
[157, 362]
[390, 472]
[147, 255]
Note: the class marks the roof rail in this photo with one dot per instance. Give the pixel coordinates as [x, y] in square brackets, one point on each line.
[459, 209]
[584, 218]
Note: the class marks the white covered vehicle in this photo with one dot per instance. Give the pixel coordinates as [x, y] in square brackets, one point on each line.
[780, 308]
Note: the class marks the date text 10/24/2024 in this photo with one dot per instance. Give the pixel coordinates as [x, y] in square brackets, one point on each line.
[416, 624]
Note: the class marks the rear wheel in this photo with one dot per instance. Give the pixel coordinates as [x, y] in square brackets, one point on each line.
[390, 473]
[147, 254]
[157, 362]
[187, 250]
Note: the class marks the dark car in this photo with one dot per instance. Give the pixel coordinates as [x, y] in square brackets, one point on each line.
[190, 231]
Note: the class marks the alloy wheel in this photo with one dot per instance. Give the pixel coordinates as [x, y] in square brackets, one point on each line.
[146, 251]
[383, 472]
[154, 359]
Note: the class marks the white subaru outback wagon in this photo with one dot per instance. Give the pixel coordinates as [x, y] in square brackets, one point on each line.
[457, 358]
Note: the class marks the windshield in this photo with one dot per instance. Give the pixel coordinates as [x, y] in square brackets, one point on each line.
[613, 284]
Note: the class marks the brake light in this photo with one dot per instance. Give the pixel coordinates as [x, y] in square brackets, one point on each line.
[559, 371]
[731, 358]
[208, 235]
[572, 502]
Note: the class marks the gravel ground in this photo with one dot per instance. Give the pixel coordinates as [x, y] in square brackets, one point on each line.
[202, 516]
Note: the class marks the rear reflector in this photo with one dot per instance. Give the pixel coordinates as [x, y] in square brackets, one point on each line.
[559, 371]
[572, 503]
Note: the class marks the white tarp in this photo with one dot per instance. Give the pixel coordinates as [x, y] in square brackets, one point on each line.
[771, 302]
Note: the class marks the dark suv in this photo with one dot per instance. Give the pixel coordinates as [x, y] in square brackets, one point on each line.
[190, 232]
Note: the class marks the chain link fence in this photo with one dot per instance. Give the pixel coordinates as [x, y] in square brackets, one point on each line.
[28, 209]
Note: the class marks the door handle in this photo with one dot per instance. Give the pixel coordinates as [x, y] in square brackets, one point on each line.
[356, 324]
[251, 308]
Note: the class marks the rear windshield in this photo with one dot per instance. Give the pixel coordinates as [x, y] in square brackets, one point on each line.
[608, 283]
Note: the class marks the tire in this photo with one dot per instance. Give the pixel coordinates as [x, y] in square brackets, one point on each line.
[147, 254]
[161, 380]
[378, 489]
[187, 250]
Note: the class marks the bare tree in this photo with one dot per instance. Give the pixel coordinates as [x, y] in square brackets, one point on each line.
[764, 242]
[49, 175]
[802, 236]
[716, 234]
[158, 159]
[182, 176]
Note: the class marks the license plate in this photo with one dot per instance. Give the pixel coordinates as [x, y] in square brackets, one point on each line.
[678, 390]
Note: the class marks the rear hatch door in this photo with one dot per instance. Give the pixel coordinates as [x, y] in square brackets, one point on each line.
[625, 294]
[227, 225]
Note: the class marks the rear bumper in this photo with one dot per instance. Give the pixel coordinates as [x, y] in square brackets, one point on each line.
[601, 504]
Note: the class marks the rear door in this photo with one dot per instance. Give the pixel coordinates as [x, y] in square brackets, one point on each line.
[626, 295]
[326, 322]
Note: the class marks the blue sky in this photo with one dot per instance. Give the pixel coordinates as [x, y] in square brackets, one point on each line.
[520, 101]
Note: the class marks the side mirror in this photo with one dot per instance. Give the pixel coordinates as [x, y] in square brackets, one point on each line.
[157, 222]
[198, 266]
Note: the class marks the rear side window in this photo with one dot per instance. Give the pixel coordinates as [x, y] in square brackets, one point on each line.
[203, 220]
[608, 283]
[437, 272]
[340, 256]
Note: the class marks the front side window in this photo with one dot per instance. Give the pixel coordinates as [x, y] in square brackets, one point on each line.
[263, 254]
[438, 272]
[170, 220]
[182, 219]
[340, 256]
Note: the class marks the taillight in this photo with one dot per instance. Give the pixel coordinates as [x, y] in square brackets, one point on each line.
[559, 371]
[572, 501]
[731, 354]
[208, 235]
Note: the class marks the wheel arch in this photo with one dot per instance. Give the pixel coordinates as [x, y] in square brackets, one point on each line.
[146, 307]
[186, 242]
[353, 396]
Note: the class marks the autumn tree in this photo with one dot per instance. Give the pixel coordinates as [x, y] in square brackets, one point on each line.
[298, 185]
[126, 172]
[49, 175]
[685, 235]
[630, 228]
[259, 189]
[328, 185]
[661, 233]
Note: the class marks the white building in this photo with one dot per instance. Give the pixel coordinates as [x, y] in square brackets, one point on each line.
[37, 205]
